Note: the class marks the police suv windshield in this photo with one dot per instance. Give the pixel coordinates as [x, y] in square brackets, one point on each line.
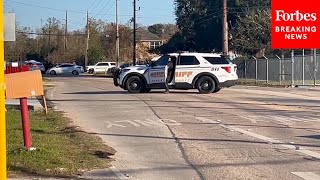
[162, 61]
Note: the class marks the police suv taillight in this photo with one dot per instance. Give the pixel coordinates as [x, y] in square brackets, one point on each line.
[228, 69]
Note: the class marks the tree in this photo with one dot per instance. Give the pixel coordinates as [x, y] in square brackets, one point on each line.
[251, 32]
[109, 43]
[96, 53]
[200, 25]
[164, 31]
[15, 51]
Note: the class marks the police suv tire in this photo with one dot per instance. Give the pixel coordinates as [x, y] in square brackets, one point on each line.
[206, 85]
[115, 77]
[216, 90]
[91, 71]
[134, 85]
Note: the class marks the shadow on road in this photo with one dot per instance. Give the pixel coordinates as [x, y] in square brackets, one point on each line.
[97, 92]
[75, 76]
[125, 92]
[311, 137]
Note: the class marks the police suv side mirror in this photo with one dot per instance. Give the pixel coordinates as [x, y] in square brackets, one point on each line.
[152, 64]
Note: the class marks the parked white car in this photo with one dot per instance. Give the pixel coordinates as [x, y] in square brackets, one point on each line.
[101, 67]
[66, 69]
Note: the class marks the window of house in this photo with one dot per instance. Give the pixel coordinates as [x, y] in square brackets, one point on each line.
[155, 44]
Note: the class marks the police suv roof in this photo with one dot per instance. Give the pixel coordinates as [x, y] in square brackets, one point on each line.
[196, 54]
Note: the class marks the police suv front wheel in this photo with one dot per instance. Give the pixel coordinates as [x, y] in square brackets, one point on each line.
[206, 85]
[134, 85]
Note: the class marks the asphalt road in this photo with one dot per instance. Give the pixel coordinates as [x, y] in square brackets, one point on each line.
[239, 133]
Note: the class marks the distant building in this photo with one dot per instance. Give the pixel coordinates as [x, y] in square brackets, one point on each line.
[152, 41]
[147, 42]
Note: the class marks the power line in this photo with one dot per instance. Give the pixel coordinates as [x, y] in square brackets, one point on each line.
[96, 6]
[103, 7]
[79, 12]
[205, 18]
[92, 4]
[44, 34]
[108, 10]
[43, 7]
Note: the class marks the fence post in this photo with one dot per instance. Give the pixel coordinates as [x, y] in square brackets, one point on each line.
[280, 69]
[315, 66]
[292, 68]
[303, 64]
[245, 70]
[267, 68]
[256, 60]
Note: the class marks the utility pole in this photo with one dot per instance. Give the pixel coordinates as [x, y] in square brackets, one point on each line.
[117, 36]
[65, 38]
[49, 33]
[87, 44]
[225, 28]
[134, 32]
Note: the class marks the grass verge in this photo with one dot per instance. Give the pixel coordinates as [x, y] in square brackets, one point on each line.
[62, 150]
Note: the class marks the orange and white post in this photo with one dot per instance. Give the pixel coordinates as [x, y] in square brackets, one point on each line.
[3, 152]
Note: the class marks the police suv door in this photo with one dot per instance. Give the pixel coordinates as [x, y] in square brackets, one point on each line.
[157, 70]
[156, 73]
[187, 68]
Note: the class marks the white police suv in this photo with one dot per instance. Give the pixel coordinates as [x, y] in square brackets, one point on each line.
[206, 72]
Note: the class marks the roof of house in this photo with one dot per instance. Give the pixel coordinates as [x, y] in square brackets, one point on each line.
[146, 35]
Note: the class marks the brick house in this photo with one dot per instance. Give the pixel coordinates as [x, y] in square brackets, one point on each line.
[147, 42]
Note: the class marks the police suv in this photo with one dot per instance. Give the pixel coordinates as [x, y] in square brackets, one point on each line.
[206, 72]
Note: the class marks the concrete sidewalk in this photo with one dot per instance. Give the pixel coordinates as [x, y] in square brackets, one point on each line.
[33, 104]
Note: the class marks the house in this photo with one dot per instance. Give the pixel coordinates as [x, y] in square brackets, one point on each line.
[147, 41]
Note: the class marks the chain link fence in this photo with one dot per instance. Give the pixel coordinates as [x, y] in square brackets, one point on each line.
[298, 70]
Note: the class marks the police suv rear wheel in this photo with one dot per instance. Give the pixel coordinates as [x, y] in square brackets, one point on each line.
[134, 85]
[206, 85]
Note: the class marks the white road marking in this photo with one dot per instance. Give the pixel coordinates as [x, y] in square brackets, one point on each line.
[287, 120]
[205, 120]
[112, 124]
[130, 122]
[119, 174]
[265, 138]
[139, 123]
[251, 119]
[171, 122]
[307, 175]
[148, 122]
[310, 153]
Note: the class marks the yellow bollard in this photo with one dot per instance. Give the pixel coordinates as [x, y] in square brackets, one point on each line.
[3, 145]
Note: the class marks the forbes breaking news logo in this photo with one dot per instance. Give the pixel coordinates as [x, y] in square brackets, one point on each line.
[295, 32]
[295, 25]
